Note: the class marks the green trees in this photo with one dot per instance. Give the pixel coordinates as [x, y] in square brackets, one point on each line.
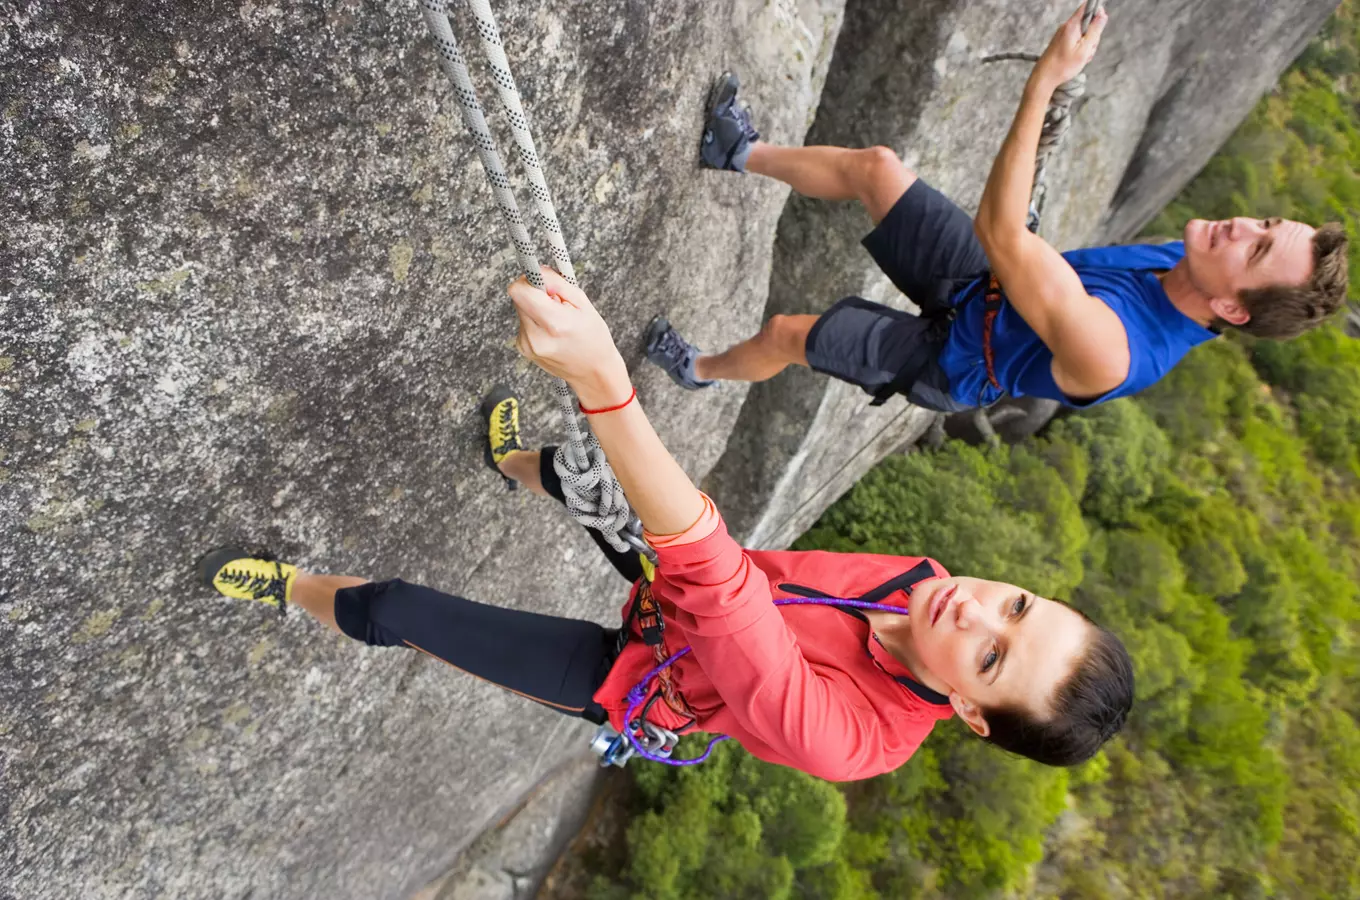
[1199, 524]
[732, 829]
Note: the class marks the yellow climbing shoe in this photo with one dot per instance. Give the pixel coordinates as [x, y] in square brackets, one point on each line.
[500, 408]
[242, 575]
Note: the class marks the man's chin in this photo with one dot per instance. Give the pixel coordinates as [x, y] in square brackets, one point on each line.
[1194, 233]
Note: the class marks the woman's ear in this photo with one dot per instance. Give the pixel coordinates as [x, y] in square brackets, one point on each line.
[969, 713]
[1230, 310]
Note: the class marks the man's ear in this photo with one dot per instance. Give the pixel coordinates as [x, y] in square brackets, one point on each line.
[1230, 310]
[969, 713]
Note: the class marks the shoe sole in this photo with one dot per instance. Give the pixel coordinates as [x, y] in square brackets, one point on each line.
[498, 395]
[655, 328]
[724, 90]
[210, 563]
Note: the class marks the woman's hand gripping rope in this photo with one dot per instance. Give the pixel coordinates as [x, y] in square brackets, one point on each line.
[561, 332]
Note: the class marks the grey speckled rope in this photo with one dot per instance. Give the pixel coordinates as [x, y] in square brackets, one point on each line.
[1057, 120]
[593, 494]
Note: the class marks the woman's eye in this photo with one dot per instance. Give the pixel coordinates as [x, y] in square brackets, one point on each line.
[990, 661]
[1019, 606]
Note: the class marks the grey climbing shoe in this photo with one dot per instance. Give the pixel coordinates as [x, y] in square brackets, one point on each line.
[728, 135]
[674, 354]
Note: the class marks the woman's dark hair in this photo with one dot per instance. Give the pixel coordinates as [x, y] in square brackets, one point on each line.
[1089, 708]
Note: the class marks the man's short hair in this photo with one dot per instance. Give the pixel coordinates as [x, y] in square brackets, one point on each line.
[1284, 311]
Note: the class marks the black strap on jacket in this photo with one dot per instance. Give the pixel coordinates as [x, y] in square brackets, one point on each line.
[905, 582]
[646, 612]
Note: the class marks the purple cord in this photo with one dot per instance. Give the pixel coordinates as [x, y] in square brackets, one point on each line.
[638, 695]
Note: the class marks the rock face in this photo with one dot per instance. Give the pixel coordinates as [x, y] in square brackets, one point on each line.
[511, 860]
[251, 289]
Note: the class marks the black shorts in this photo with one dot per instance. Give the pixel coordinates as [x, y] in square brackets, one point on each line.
[557, 662]
[927, 248]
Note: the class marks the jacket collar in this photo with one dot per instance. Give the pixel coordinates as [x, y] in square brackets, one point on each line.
[907, 582]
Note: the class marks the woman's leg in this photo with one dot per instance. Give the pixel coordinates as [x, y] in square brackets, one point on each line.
[523, 466]
[557, 662]
[554, 661]
[316, 594]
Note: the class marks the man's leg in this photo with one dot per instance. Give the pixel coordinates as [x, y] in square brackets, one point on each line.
[780, 342]
[873, 176]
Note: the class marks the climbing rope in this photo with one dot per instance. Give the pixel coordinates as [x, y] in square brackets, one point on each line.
[593, 494]
[1057, 121]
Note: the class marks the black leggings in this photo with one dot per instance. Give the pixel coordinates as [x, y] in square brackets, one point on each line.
[555, 661]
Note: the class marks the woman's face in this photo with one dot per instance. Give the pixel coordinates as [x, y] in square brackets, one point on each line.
[994, 644]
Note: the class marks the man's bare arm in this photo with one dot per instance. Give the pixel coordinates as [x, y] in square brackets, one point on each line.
[1089, 344]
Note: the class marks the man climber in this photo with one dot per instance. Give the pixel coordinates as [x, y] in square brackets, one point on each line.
[842, 695]
[1081, 328]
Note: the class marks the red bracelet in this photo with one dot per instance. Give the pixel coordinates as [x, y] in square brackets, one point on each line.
[596, 412]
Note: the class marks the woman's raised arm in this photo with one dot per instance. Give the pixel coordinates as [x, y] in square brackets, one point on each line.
[562, 333]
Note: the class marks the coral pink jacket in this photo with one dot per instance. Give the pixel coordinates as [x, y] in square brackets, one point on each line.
[802, 686]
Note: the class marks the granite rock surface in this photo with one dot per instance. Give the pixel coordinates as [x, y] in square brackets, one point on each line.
[252, 289]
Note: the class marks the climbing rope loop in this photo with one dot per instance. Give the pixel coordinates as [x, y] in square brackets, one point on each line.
[593, 494]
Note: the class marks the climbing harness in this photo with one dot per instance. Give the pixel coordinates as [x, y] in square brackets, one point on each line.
[649, 741]
[593, 494]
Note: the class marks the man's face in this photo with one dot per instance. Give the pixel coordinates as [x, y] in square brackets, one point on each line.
[994, 644]
[1232, 255]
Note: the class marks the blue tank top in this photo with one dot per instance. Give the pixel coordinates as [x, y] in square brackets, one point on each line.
[1125, 279]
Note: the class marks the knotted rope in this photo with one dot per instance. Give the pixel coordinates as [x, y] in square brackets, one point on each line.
[593, 494]
[1057, 121]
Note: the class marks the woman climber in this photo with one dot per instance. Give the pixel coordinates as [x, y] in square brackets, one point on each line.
[841, 695]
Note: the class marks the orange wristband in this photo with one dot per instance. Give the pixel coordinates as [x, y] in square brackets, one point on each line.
[596, 412]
